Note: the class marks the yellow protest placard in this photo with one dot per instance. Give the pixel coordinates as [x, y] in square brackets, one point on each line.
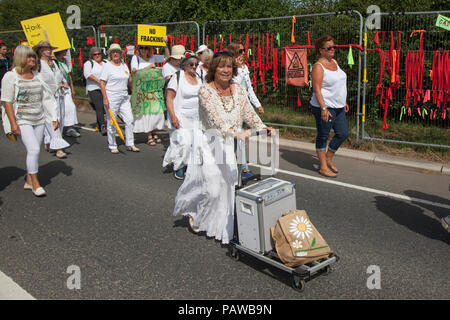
[151, 35]
[48, 28]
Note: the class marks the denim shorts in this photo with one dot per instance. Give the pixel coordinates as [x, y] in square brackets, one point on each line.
[339, 124]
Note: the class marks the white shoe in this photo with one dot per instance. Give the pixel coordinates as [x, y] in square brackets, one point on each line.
[27, 186]
[39, 192]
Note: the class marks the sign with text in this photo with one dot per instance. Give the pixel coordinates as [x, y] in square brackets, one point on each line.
[48, 28]
[443, 22]
[151, 35]
[147, 95]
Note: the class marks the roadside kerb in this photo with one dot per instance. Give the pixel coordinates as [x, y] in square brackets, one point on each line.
[373, 157]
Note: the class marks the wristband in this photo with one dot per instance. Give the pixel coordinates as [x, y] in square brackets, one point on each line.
[324, 109]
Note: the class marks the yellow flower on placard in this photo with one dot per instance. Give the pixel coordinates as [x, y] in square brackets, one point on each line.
[301, 227]
[297, 244]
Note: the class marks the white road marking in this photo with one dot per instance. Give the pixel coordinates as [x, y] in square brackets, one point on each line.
[352, 186]
[9, 290]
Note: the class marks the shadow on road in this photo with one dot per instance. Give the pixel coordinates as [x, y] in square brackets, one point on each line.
[51, 169]
[301, 159]
[9, 175]
[413, 217]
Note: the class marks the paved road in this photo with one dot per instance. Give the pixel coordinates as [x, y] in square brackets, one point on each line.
[111, 216]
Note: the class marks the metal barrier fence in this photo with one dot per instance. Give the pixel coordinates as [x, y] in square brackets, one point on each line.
[345, 27]
[398, 60]
[184, 32]
[422, 47]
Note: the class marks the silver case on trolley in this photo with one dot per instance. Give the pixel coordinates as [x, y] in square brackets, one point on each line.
[258, 208]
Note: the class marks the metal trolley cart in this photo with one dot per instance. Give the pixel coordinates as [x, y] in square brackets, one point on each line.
[257, 208]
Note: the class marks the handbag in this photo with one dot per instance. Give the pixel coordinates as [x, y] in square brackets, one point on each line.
[297, 241]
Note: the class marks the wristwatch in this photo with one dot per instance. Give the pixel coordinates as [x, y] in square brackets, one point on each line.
[324, 109]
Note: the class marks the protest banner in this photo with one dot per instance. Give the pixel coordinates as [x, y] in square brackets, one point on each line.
[296, 66]
[151, 35]
[147, 95]
[46, 28]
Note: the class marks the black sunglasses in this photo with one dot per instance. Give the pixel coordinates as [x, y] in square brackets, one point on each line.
[221, 53]
[329, 48]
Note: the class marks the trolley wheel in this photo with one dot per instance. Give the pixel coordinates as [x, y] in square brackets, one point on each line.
[234, 253]
[298, 284]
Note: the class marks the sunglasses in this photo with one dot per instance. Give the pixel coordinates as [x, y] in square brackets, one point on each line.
[97, 54]
[193, 64]
[222, 53]
[329, 48]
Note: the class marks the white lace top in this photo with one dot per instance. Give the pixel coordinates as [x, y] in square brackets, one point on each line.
[222, 112]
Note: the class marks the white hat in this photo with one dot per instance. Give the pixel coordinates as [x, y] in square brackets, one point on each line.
[178, 52]
[115, 47]
[201, 49]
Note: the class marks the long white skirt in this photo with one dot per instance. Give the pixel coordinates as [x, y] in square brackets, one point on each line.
[70, 111]
[54, 137]
[181, 143]
[207, 192]
[148, 122]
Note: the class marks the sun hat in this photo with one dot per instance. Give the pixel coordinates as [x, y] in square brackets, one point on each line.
[178, 52]
[201, 49]
[114, 47]
[43, 44]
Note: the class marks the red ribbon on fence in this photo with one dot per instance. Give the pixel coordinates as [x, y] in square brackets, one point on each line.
[275, 67]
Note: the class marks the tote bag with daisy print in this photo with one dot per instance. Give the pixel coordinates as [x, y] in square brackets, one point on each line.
[297, 241]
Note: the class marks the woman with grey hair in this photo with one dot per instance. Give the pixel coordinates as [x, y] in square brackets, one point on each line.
[182, 106]
[29, 104]
[114, 82]
[205, 61]
[92, 70]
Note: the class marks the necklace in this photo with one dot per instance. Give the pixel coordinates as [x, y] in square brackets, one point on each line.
[222, 99]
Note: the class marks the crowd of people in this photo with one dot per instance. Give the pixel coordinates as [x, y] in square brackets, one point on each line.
[210, 103]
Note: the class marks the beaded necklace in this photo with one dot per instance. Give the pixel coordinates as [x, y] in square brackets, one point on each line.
[227, 110]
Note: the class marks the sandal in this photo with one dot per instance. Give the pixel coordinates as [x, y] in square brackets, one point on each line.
[133, 148]
[156, 138]
[151, 142]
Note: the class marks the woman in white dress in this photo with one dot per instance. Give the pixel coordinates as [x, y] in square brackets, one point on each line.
[70, 110]
[207, 193]
[29, 103]
[182, 107]
[115, 78]
[51, 75]
[148, 123]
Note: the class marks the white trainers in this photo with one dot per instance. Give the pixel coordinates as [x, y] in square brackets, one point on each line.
[39, 192]
[27, 186]
[446, 223]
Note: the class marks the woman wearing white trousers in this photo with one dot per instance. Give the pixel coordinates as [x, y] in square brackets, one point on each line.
[29, 103]
[115, 78]
[51, 75]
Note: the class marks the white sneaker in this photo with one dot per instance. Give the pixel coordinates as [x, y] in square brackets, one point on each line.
[73, 133]
[27, 186]
[39, 192]
[446, 223]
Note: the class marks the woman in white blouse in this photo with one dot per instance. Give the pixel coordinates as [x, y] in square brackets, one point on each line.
[182, 108]
[207, 193]
[148, 123]
[115, 78]
[243, 79]
[53, 77]
[92, 71]
[29, 103]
